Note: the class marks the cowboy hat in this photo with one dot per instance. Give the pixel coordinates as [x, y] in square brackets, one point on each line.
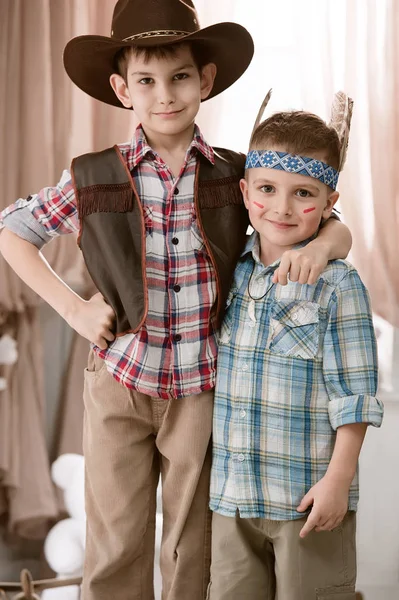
[89, 59]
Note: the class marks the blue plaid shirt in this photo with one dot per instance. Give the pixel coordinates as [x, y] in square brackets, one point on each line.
[294, 364]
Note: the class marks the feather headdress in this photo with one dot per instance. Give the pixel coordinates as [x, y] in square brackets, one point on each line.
[261, 111]
[341, 115]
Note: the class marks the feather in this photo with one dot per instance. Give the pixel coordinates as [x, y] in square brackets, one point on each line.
[341, 115]
[261, 111]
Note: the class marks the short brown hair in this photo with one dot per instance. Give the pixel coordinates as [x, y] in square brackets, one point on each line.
[200, 54]
[299, 132]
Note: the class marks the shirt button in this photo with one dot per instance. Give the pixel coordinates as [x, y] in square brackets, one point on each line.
[177, 337]
[243, 414]
[177, 288]
[175, 241]
[240, 458]
[245, 367]
[176, 191]
[261, 280]
[251, 324]
[295, 317]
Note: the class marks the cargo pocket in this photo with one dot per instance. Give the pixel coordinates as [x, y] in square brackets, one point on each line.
[294, 329]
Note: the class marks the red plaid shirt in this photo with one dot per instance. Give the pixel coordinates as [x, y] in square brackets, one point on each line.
[174, 353]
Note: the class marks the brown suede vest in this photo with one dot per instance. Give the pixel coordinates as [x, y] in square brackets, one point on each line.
[112, 231]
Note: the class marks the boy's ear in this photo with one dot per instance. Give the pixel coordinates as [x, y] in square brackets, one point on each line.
[331, 201]
[121, 90]
[208, 75]
[244, 191]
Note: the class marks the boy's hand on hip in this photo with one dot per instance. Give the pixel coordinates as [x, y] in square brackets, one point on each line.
[93, 319]
[329, 498]
[304, 265]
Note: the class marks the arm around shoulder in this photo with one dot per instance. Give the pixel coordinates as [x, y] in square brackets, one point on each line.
[334, 238]
[306, 264]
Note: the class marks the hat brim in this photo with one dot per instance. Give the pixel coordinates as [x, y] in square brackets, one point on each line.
[89, 59]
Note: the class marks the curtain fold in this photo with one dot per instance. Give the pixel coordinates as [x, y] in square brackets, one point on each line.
[370, 183]
[45, 121]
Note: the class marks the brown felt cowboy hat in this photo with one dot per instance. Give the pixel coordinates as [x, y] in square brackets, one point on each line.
[89, 59]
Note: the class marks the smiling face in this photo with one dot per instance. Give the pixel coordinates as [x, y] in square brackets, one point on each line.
[285, 208]
[164, 91]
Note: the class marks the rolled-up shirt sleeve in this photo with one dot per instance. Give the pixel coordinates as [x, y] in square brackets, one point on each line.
[45, 215]
[350, 365]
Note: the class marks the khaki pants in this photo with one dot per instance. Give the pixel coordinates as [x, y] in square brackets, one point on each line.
[129, 439]
[257, 559]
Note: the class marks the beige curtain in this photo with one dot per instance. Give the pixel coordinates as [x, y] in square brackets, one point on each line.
[44, 121]
[371, 181]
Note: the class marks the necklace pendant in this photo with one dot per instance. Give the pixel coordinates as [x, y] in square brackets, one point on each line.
[251, 311]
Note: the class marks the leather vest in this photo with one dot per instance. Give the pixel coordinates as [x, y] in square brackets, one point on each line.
[112, 230]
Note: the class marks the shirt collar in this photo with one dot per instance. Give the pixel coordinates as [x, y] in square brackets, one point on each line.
[141, 149]
[253, 246]
[200, 143]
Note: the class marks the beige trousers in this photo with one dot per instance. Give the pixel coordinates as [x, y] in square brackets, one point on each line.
[258, 559]
[129, 440]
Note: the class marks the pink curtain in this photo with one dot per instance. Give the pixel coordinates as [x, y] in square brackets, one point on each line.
[44, 121]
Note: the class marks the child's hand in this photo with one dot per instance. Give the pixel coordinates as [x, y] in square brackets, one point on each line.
[93, 319]
[330, 504]
[304, 265]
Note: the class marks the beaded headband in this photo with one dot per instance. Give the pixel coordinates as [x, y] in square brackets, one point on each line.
[341, 115]
[293, 163]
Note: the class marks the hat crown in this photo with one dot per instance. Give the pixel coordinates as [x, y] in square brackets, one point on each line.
[133, 18]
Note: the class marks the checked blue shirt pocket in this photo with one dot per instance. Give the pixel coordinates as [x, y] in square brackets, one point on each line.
[294, 329]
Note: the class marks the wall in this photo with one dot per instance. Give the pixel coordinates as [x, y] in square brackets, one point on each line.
[378, 516]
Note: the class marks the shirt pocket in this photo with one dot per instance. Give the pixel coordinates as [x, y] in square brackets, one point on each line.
[149, 228]
[197, 241]
[294, 329]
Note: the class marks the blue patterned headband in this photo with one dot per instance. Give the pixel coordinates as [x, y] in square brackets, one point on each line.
[293, 163]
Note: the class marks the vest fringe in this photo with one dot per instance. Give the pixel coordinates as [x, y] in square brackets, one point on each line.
[110, 198]
[219, 193]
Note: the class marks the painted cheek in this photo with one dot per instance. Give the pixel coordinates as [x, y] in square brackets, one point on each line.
[308, 210]
[258, 205]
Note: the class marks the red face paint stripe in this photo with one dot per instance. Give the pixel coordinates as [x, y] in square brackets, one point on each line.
[308, 210]
[260, 205]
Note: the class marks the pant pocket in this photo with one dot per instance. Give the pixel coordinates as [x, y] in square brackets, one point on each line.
[336, 593]
[95, 364]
